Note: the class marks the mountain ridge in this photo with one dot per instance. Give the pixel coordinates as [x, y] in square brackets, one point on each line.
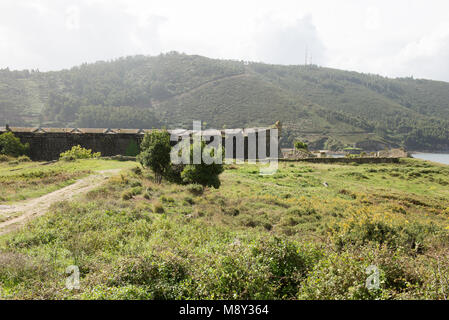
[329, 108]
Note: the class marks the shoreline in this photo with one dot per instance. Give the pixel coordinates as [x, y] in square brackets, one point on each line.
[430, 152]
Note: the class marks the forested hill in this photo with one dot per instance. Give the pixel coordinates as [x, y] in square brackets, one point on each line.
[328, 108]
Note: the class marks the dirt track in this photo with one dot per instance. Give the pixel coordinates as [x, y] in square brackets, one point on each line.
[19, 213]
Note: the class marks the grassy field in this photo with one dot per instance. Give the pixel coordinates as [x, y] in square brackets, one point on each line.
[308, 232]
[25, 180]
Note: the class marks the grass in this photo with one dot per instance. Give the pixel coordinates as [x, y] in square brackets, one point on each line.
[25, 180]
[285, 236]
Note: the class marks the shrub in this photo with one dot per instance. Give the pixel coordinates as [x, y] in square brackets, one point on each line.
[5, 158]
[338, 277]
[158, 207]
[137, 171]
[78, 152]
[24, 159]
[173, 173]
[156, 153]
[287, 264]
[195, 189]
[203, 174]
[128, 194]
[299, 145]
[365, 230]
[16, 268]
[10, 145]
[162, 274]
[189, 200]
[234, 273]
[206, 175]
[301, 211]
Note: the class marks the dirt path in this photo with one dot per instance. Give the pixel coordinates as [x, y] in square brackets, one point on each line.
[21, 212]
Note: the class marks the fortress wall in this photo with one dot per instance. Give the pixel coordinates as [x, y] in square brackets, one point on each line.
[47, 144]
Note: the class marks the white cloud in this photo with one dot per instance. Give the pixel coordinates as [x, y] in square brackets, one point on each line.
[72, 19]
[394, 38]
[278, 43]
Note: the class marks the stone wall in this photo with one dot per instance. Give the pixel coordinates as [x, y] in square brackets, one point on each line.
[347, 160]
[48, 146]
[48, 143]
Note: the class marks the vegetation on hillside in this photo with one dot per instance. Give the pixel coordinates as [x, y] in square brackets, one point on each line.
[10, 145]
[286, 236]
[327, 108]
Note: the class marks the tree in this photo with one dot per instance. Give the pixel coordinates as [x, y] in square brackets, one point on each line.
[301, 145]
[11, 145]
[156, 153]
[204, 174]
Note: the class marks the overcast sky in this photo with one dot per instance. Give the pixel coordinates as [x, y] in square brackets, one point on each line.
[389, 37]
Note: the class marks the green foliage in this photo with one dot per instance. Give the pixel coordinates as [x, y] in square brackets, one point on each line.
[338, 277]
[203, 174]
[195, 189]
[24, 158]
[130, 193]
[411, 236]
[156, 152]
[10, 145]
[257, 237]
[299, 145]
[78, 152]
[158, 207]
[342, 107]
[5, 158]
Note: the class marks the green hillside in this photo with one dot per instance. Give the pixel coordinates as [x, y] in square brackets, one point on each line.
[328, 108]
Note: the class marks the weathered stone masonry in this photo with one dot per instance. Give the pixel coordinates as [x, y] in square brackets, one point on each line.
[48, 143]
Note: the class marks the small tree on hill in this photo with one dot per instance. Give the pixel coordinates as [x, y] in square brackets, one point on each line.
[10, 145]
[156, 153]
[299, 145]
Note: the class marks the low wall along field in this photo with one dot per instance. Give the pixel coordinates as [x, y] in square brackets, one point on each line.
[345, 160]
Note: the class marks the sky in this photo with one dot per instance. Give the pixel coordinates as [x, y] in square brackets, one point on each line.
[394, 38]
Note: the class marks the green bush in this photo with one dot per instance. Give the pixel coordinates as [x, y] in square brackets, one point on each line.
[78, 152]
[130, 193]
[338, 277]
[156, 152]
[162, 275]
[158, 207]
[287, 265]
[5, 158]
[234, 273]
[24, 159]
[195, 189]
[204, 174]
[10, 145]
[299, 145]
[411, 236]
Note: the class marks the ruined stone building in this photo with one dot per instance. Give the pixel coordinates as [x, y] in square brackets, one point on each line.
[48, 143]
